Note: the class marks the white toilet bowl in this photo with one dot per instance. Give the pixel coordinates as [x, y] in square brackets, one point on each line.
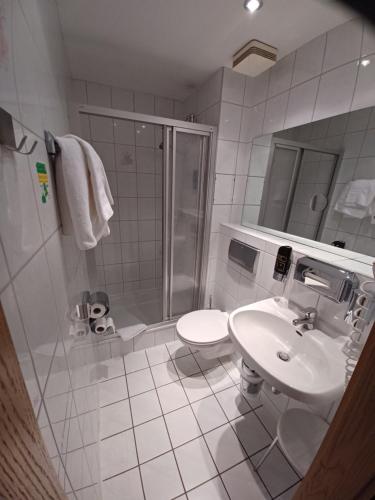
[205, 331]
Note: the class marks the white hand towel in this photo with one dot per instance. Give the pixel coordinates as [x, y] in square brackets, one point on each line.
[83, 192]
[357, 199]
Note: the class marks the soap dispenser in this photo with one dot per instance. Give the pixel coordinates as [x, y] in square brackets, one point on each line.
[282, 263]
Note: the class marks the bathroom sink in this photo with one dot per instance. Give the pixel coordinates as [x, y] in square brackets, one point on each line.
[306, 365]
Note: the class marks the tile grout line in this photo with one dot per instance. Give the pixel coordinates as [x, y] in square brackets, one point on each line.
[203, 436]
[135, 441]
[248, 457]
[165, 424]
[242, 446]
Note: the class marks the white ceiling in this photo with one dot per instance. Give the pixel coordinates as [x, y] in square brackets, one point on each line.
[167, 47]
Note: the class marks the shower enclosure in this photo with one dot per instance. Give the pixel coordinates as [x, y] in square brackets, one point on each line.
[159, 170]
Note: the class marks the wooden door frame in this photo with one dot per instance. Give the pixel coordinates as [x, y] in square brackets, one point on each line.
[344, 467]
[26, 471]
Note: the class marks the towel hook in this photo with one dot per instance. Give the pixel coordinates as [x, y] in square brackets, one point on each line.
[17, 149]
[7, 136]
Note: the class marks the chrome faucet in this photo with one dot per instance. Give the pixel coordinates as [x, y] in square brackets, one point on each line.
[307, 320]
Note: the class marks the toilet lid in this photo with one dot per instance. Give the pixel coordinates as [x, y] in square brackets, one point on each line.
[203, 327]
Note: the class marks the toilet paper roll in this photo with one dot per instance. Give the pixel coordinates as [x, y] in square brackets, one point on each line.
[110, 327]
[99, 326]
[99, 305]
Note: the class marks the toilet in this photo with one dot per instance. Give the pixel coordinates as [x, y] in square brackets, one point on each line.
[206, 331]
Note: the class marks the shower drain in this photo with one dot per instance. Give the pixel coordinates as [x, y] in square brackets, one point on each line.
[283, 356]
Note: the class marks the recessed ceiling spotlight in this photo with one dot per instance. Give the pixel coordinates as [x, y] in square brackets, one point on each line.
[253, 5]
[365, 62]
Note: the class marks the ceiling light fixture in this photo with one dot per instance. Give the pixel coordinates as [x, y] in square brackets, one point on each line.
[365, 62]
[253, 5]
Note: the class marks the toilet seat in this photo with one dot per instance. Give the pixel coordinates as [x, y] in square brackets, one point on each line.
[203, 327]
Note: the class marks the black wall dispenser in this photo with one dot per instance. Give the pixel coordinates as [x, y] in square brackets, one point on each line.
[282, 263]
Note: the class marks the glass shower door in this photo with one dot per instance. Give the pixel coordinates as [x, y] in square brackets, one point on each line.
[185, 200]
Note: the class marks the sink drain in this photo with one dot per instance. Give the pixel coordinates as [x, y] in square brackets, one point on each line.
[283, 356]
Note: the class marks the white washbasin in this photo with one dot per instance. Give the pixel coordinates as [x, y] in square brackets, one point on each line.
[314, 369]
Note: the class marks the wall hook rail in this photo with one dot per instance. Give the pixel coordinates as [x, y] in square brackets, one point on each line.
[7, 135]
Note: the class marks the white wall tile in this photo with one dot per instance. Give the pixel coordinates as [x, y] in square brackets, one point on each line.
[336, 91]
[368, 42]
[233, 86]
[226, 156]
[98, 94]
[243, 158]
[210, 92]
[144, 103]
[230, 122]
[252, 122]
[309, 60]
[254, 190]
[77, 91]
[275, 113]
[164, 107]
[239, 190]
[343, 44]
[38, 312]
[364, 92]
[256, 89]
[19, 221]
[224, 185]
[122, 99]
[259, 161]
[281, 75]
[301, 103]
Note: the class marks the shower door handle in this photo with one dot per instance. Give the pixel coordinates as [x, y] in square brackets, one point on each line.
[318, 202]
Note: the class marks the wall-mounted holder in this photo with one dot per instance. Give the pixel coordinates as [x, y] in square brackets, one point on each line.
[331, 281]
[7, 135]
[52, 147]
[242, 254]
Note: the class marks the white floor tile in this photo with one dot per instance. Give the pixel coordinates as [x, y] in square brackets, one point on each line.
[145, 407]
[251, 433]
[232, 370]
[186, 366]
[269, 415]
[218, 378]
[110, 368]
[212, 490]
[152, 439]
[135, 361]
[206, 364]
[115, 418]
[140, 381]
[288, 495]
[112, 390]
[275, 472]
[225, 447]
[127, 484]
[233, 403]
[195, 463]
[172, 396]
[163, 374]
[161, 479]
[196, 387]
[117, 454]
[157, 354]
[209, 414]
[177, 349]
[242, 483]
[182, 426]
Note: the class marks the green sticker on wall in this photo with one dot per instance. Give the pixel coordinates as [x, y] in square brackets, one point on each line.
[43, 180]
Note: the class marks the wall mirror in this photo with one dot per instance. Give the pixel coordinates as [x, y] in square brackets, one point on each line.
[317, 182]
